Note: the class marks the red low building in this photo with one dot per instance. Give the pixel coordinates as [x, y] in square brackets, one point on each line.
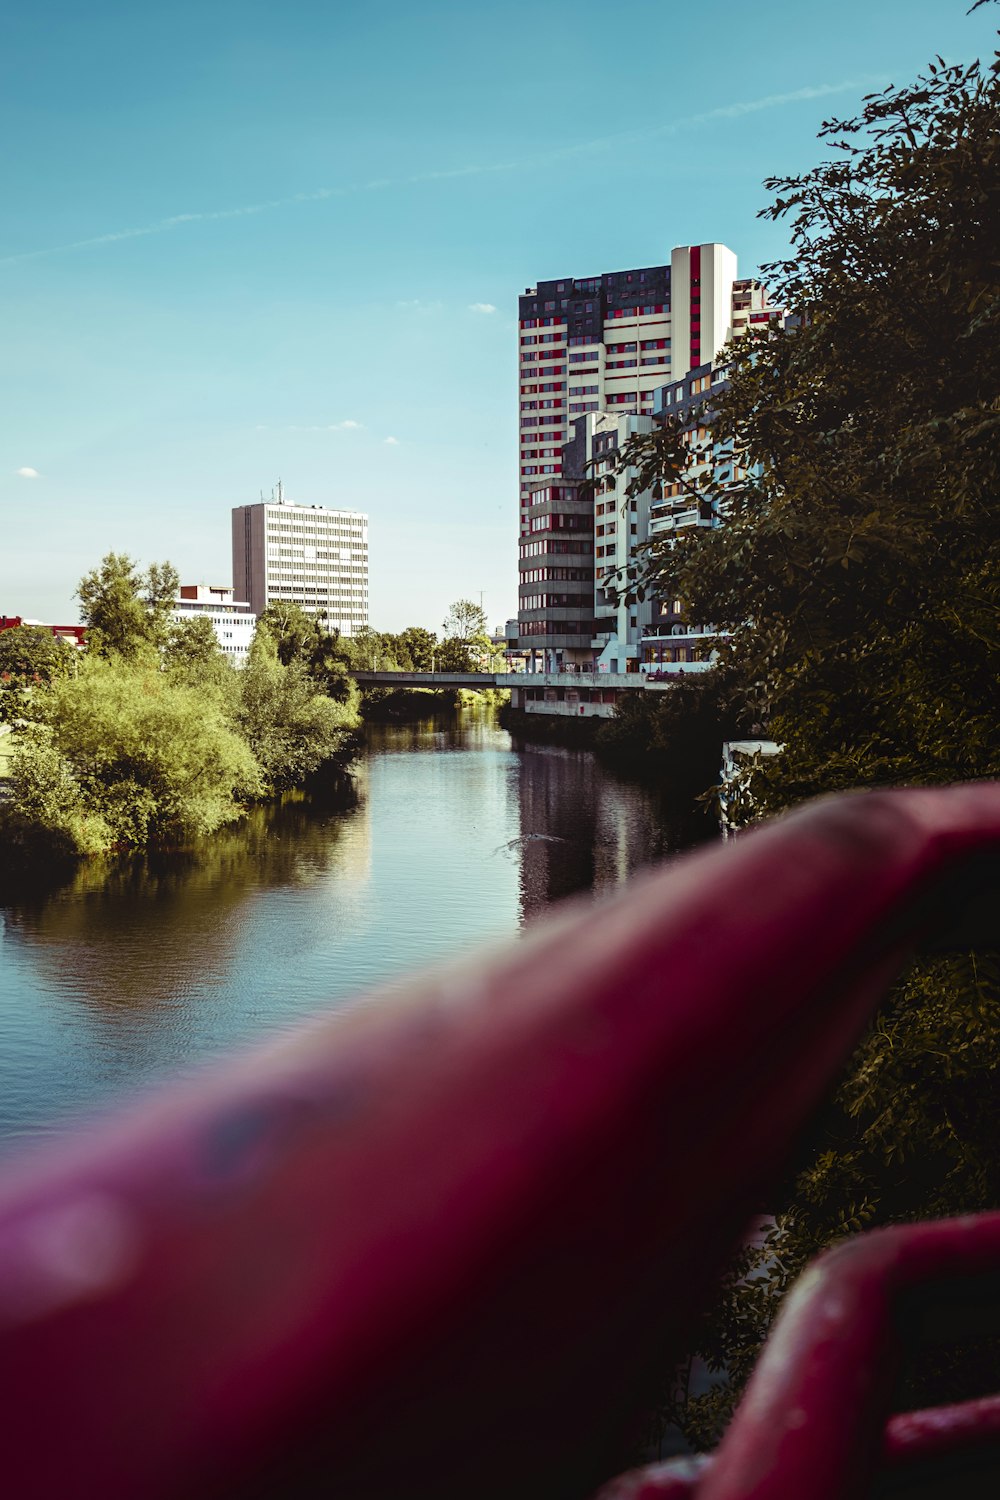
[73, 635]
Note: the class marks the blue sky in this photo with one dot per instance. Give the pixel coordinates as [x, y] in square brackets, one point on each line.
[245, 241]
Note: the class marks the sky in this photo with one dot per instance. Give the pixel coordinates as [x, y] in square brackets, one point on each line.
[243, 242]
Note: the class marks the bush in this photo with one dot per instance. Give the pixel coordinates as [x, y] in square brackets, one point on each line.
[122, 757]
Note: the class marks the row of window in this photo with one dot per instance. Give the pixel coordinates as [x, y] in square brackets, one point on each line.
[542, 405]
[540, 421]
[546, 575]
[318, 585]
[671, 653]
[558, 627]
[576, 407]
[541, 469]
[560, 522]
[541, 322]
[638, 312]
[553, 601]
[588, 307]
[555, 546]
[354, 534]
[551, 492]
[540, 452]
[547, 385]
[308, 554]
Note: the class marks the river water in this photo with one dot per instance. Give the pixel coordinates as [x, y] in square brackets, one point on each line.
[148, 966]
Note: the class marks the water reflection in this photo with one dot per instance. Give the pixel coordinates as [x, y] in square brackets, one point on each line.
[137, 967]
[142, 929]
[584, 829]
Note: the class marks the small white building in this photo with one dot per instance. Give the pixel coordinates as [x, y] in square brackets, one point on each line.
[234, 622]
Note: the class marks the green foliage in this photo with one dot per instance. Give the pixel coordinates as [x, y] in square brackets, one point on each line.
[465, 620]
[29, 654]
[32, 653]
[453, 655]
[192, 654]
[675, 732]
[415, 649]
[859, 574]
[294, 632]
[156, 739]
[127, 613]
[122, 757]
[291, 728]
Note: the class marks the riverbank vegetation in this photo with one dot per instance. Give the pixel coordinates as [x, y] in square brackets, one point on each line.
[858, 578]
[151, 737]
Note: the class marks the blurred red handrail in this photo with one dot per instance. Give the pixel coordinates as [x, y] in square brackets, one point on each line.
[435, 1246]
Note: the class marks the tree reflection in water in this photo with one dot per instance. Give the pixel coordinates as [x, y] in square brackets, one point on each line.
[134, 967]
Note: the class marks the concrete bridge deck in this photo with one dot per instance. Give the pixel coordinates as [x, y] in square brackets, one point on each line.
[480, 681]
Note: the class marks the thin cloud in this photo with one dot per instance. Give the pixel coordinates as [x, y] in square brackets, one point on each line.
[391, 442]
[348, 425]
[27, 473]
[482, 307]
[734, 111]
[417, 305]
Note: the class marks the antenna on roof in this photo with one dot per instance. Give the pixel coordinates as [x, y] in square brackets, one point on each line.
[281, 494]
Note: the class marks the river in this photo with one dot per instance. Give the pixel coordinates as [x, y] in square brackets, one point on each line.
[142, 967]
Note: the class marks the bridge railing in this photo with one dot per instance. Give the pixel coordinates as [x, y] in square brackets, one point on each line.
[440, 1245]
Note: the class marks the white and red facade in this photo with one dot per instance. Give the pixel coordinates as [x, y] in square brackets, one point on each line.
[605, 344]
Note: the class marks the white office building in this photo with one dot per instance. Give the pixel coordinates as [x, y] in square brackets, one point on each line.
[306, 555]
[233, 620]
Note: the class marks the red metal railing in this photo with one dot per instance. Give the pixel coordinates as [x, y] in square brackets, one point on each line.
[436, 1247]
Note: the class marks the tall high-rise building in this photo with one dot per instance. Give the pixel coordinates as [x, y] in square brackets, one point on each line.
[303, 554]
[606, 343]
[603, 345]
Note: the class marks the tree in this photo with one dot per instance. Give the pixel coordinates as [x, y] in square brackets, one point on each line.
[192, 651]
[418, 646]
[871, 535]
[122, 757]
[465, 620]
[32, 653]
[29, 655]
[126, 612]
[291, 729]
[859, 574]
[294, 632]
[453, 655]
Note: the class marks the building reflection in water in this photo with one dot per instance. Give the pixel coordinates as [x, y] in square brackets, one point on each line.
[584, 829]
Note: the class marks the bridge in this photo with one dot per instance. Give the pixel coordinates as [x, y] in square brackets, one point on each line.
[478, 681]
[567, 693]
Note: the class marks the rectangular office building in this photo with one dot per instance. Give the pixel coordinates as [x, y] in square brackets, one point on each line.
[303, 554]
